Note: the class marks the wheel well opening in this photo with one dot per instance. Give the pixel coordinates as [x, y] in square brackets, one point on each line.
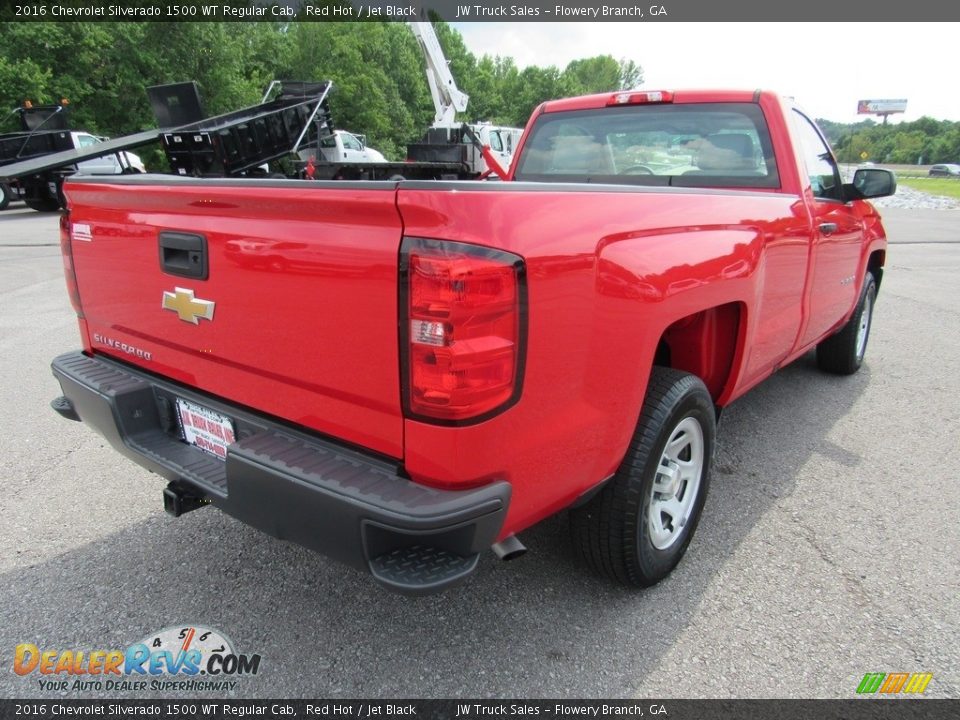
[703, 344]
[875, 265]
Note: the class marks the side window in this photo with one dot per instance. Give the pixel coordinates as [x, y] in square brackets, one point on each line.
[509, 142]
[350, 142]
[329, 141]
[86, 140]
[821, 169]
[495, 142]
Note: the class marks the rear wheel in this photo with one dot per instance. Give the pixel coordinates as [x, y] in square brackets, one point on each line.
[842, 353]
[40, 204]
[639, 526]
[37, 197]
[6, 195]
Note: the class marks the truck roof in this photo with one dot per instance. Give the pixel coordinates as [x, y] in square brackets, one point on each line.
[591, 102]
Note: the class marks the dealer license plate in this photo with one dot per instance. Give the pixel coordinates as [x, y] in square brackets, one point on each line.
[203, 428]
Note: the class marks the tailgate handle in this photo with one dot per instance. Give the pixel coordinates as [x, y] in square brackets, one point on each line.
[184, 254]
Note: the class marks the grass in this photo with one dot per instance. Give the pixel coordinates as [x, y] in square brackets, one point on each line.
[949, 187]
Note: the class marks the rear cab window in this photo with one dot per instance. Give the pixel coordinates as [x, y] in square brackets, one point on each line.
[683, 145]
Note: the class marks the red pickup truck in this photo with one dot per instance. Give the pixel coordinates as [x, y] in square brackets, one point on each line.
[404, 374]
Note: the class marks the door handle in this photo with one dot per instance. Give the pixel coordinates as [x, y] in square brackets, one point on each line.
[184, 254]
[828, 228]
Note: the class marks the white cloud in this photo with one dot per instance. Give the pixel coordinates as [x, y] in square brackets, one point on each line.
[827, 67]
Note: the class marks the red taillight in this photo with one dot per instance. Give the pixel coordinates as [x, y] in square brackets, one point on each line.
[462, 330]
[66, 249]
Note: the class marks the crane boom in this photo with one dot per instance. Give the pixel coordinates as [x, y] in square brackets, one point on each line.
[448, 100]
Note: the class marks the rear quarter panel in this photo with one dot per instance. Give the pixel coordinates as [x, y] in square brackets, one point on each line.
[608, 270]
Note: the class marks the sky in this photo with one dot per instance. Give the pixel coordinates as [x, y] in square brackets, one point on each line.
[826, 67]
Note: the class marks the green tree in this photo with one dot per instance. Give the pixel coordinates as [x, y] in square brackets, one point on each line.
[631, 75]
[377, 68]
[593, 75]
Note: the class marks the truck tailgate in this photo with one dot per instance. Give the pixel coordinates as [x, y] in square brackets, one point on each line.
[297, 316]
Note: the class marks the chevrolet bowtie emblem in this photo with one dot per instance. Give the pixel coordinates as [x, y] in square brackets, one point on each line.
[186, 306]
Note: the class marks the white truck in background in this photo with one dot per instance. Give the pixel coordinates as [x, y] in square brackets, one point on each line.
[448, 100]
[449, 150]
[503, 141]
[343, 146]
[115, 164]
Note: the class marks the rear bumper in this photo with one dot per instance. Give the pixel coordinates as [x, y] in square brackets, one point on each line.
[346, 504]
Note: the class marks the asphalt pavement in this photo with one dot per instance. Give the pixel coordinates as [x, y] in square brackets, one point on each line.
[829, 547]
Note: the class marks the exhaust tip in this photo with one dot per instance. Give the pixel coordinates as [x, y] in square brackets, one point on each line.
[510, 548]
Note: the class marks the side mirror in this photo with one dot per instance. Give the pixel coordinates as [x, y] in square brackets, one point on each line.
[872, 183]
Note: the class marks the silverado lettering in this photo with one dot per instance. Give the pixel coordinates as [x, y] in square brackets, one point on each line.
[405, 374]
[122, 346]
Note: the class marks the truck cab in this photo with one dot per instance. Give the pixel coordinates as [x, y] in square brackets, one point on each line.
[343, 146]
[501, 140]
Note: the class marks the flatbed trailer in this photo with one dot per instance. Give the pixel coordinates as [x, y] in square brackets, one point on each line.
[35, 160]
[44, 130]
[38, 179]
[408, 170]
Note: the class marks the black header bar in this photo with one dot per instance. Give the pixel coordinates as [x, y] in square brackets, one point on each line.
[648, 709]
[853, 11]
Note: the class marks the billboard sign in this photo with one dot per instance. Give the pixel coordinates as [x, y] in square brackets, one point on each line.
[881, 107]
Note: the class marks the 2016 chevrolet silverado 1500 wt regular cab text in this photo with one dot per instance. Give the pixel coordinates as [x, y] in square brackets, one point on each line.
[425, 369]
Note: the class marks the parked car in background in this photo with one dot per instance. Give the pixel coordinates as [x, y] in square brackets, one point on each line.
[947, 170]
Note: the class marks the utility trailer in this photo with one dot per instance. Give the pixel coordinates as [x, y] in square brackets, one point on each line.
[44, 130]
[236, 144]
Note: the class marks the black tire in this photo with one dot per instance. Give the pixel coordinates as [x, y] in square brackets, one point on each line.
[612, 532]
[6, 194]
[842, 353]
[42, 204]
[37, 196]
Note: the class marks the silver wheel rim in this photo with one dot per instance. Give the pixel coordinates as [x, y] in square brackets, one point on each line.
[864, 330]
[676, 484]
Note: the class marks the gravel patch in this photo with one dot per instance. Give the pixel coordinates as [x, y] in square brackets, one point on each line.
[911, 199]
[908, 198]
